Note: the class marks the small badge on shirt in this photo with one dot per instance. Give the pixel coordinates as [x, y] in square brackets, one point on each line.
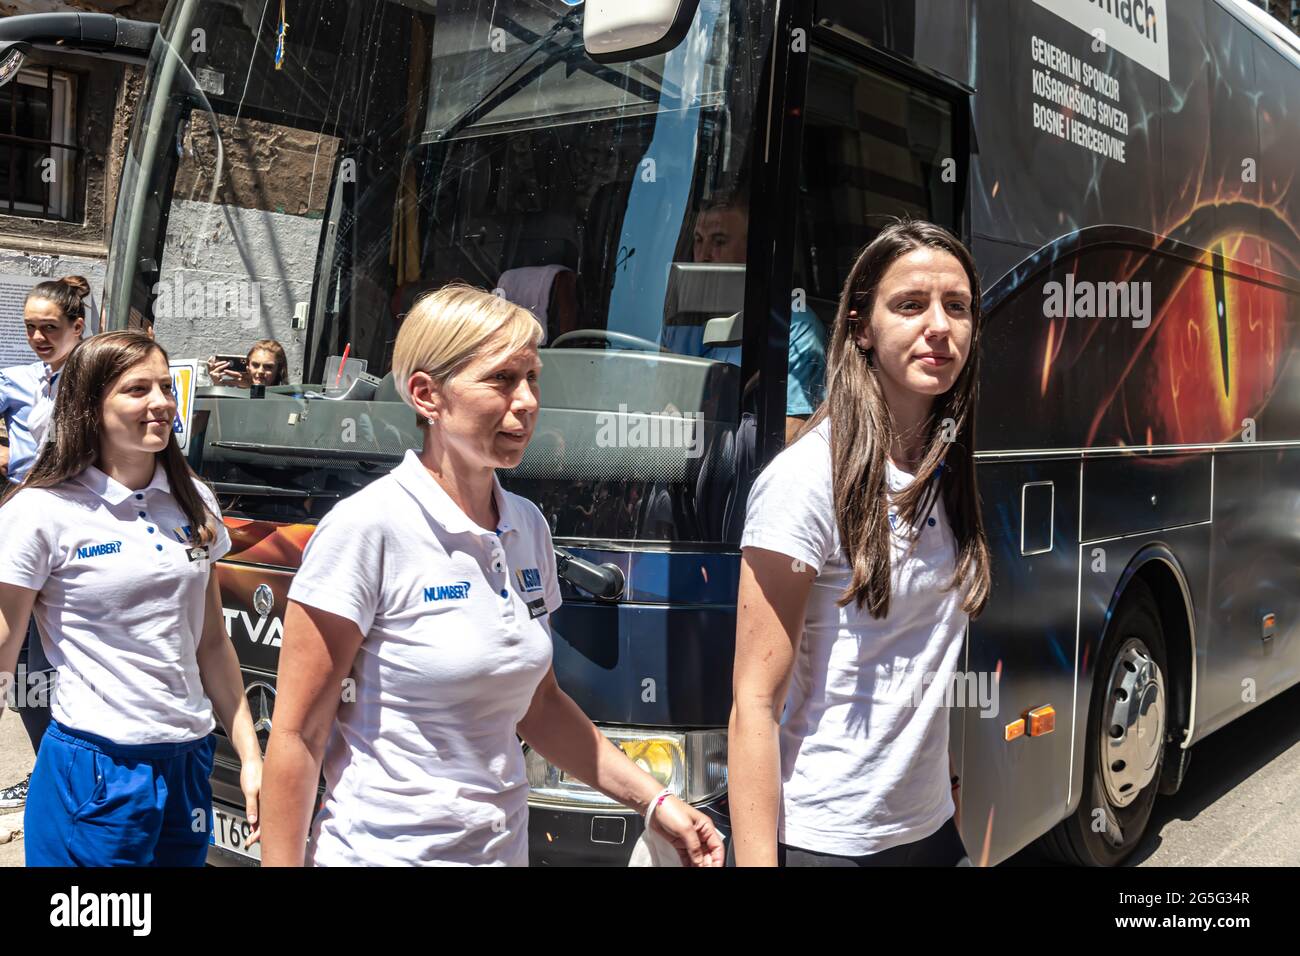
[530, 579]
[197, 554]
[536, 608]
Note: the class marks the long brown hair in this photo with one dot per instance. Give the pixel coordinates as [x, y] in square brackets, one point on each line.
[91, 370]
[862, 433]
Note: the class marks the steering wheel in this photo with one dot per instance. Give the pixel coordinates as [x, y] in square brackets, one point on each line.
[608, 339]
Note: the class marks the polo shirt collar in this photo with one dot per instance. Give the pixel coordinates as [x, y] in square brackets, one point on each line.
[114, 492]
[415, 478]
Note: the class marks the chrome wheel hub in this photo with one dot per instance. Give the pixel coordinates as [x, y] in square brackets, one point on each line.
[1134, 730]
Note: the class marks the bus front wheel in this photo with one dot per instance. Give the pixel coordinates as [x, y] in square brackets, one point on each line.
[1127, 724]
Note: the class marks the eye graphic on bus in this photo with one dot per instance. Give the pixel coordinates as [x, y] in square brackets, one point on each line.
[1212, 360]
[1195, 347]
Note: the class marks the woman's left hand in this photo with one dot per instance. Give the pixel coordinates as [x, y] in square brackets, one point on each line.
[250, 781]
[691, 833]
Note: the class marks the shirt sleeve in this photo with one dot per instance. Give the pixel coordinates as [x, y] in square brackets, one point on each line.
[221, 546]
[806, 375]
[8, 397]
[342, 568]
[791, 508]
[26, 543]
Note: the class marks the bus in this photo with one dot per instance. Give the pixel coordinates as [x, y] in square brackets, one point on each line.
[1122, 170]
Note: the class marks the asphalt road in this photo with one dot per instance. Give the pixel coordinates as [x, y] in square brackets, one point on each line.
[1239, 805]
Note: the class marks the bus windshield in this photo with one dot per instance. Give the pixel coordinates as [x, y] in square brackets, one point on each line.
[307, 182]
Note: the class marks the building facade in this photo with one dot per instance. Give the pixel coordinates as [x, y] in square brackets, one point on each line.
[65, 129]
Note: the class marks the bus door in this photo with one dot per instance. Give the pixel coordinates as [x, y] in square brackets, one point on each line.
[880, 142]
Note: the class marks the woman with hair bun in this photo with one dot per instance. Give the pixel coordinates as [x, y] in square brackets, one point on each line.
[55, 319]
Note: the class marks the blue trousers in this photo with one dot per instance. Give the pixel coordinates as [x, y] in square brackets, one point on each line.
[93, 802]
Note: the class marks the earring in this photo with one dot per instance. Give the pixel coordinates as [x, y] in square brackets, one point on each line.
[432, 421]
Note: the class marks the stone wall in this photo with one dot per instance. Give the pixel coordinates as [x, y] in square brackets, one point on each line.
[269, 167]
[231, 276]
[32, 249]
[232, 272]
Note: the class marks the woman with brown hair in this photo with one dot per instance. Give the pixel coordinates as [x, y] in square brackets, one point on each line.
[54, 317]
[864, 555]
[266, 364]
[110, 540]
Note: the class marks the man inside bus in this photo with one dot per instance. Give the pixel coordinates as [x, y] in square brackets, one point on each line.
[722, 236]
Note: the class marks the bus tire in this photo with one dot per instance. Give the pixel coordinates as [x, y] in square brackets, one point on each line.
[1130, 716]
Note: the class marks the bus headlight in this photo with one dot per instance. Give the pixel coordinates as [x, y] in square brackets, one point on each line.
[693, 764]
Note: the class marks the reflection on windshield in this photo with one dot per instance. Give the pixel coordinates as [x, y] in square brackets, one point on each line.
[470, 140]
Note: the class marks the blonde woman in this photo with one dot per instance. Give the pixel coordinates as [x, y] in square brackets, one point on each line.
[863, 557]
[432, 590]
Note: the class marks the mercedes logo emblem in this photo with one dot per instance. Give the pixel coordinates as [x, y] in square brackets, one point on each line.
[263, 600]
[261, 701]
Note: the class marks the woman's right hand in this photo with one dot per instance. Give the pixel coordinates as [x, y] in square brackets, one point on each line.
[250, 782]
[217, 370]
[770, 606]
[220, 374]
[691, 833]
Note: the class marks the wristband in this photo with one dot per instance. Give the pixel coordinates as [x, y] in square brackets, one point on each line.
[659, 798]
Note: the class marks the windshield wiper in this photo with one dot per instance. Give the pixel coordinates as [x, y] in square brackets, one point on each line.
[488, 101]
[513, 82]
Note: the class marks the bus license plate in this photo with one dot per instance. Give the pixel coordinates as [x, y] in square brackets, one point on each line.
[230, 830]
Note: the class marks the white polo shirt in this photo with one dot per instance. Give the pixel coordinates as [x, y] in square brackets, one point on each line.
[423, 765]
[864, 736]
[120, 605]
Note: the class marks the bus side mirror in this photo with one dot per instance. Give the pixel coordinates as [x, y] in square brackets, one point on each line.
[12, 58]
[616, 31]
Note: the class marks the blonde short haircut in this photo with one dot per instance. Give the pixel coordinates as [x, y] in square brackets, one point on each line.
[450, 328]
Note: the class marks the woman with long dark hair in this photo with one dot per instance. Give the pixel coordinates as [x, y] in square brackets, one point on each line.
[864, 557]
[110, 541]
[54, 318]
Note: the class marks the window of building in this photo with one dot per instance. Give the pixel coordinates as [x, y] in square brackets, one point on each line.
[38, 153]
